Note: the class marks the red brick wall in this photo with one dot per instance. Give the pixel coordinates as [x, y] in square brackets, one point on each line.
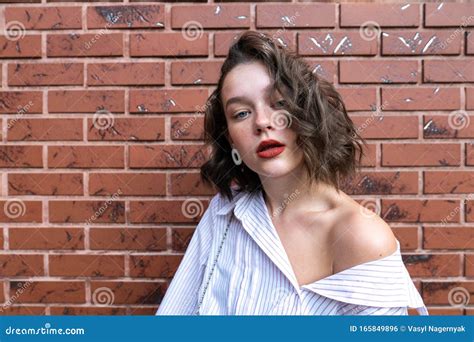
[102, 138]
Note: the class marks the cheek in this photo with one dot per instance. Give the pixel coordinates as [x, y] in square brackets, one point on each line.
[291, 137]
[240, 135]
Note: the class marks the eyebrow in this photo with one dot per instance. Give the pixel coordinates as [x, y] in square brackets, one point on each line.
[245, 99]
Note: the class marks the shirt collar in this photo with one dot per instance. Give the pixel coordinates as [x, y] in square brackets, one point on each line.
[383, 282]
[251, 210]
[261, 230]
[240, 203]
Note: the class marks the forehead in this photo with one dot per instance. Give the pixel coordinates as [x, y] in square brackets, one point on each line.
[246, 80]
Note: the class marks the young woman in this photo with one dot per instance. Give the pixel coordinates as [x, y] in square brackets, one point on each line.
[280, 237]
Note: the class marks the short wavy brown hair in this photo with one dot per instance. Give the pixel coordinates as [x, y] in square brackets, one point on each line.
[331, 145]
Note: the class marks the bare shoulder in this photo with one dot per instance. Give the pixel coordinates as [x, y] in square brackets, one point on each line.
[360, 236]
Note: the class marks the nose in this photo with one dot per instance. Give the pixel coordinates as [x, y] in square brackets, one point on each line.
[263, 119]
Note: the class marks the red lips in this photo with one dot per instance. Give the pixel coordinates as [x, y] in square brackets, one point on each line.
[268, 143]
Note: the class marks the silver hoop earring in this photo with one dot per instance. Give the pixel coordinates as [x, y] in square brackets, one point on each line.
[236, 156]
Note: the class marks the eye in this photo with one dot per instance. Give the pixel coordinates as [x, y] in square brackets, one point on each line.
[281, 103]
[238, 114]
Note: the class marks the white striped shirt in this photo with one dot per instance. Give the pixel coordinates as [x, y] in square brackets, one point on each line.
[253, 275]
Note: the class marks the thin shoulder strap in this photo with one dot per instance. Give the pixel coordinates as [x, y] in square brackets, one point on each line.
[214, 264]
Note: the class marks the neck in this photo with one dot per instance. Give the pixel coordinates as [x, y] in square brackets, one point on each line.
[292, 193]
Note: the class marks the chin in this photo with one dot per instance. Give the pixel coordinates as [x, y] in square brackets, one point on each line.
[274, 171]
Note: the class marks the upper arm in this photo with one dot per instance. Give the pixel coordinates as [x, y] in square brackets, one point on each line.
[361, 238]
[181, 297]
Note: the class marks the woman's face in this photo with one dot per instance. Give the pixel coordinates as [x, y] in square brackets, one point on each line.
[254, 114]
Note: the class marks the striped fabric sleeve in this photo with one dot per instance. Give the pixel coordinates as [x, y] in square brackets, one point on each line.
[363, 310]
[379, 287]
[181, 297]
